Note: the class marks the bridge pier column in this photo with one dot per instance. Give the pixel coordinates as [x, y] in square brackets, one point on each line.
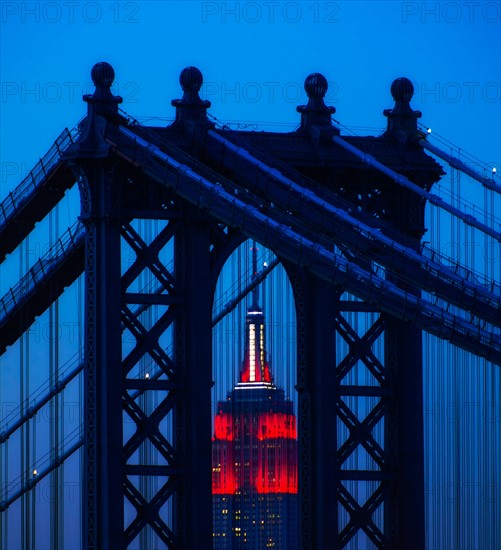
[317, 406]
[193, 354]
[99, 184]
[103, 517]
[404, 505]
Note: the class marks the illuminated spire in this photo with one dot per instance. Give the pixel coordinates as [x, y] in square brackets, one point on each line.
[255, 369]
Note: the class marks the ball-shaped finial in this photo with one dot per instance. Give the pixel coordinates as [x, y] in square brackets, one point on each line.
[315, 85]
[191, 79]
[402, 89]
[102, 74]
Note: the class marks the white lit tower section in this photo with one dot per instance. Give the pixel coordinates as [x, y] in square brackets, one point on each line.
[254, 453]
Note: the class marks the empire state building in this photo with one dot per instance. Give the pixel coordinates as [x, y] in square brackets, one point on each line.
[254, 454]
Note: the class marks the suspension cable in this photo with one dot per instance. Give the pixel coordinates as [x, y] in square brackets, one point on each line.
[327, 265]
[405, 182]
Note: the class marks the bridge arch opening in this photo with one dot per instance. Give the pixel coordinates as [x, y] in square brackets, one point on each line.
[254, 403]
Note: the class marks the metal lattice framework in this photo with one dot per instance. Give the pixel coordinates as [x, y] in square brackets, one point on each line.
[148, 378]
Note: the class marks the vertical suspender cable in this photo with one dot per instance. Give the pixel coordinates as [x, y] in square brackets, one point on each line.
[53, 414]
[59, 418]
[442, 350]
[4, 470]
[438, 349]
[24, 428]
[81, 321]
[457, 374]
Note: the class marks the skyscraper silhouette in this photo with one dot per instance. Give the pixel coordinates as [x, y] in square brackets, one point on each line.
[254, 453]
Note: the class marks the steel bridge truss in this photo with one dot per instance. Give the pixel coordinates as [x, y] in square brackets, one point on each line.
[172, 493]
[145, 340]
[148, 341]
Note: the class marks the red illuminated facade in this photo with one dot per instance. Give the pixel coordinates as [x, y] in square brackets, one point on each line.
[254, 455]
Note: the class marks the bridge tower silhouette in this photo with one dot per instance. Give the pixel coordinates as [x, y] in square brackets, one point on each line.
[344, 215]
